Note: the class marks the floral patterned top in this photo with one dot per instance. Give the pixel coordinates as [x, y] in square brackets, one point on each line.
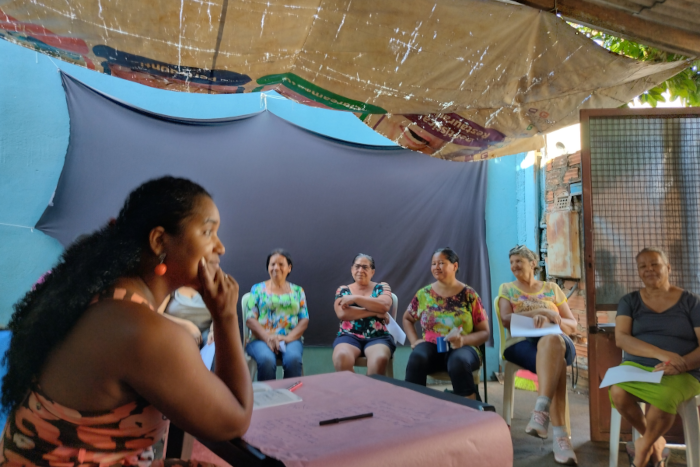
[364, 328]
[550, 296]
[276, 313]
[439, 315]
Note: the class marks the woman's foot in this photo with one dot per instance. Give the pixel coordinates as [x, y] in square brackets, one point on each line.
[538, 425]
[659, 453]
[656, 459]
[563, 451]
[640, 456]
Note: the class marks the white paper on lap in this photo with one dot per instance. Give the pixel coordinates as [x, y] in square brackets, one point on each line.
[207, 354]
[627, 373]
[396, 331]
[522, 326]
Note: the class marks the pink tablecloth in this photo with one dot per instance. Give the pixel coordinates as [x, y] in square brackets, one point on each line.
[408, 428]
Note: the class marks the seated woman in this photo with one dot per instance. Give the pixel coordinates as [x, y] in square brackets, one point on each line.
[546, 356]
[658, 328]
[187, 308]
[362, 308]
[94, 373]
[442, 306]
[277, 313]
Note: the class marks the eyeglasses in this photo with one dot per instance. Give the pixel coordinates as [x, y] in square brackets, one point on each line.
[364, 267]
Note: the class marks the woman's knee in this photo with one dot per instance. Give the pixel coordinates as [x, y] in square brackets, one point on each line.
[342, 358]
[619, 396]
[552, 344]
[378, 360]
[462, 362]
[417, 360]
[266, 359]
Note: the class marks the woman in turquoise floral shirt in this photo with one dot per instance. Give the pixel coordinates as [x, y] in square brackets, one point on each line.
[363, 309]
[276, 313]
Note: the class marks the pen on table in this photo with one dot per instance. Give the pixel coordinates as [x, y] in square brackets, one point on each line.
[295, 386]
[345, 419]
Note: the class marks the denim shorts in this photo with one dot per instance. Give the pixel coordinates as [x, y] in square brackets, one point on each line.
[524, 353]
[362, 343]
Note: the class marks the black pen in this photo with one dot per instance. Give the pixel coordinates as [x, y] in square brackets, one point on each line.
[344, 419]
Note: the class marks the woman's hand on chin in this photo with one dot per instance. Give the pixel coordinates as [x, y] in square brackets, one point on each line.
[219, 291]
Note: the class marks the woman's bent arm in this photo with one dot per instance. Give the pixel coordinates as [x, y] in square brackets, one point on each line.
[164, 366]
[376, 305]
[478, 336]
[630, 344]
[409, 328]
[298, 330]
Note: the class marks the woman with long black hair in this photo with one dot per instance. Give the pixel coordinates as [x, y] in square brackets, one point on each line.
[94, 370]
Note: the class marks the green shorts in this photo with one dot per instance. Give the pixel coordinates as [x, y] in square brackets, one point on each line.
[667, 395]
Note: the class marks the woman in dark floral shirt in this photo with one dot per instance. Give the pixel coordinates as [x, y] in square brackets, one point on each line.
[363, 309]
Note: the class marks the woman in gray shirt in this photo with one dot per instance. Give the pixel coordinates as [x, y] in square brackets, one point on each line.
[658, 329]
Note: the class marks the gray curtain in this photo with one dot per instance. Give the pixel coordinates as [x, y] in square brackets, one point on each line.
[278, 185]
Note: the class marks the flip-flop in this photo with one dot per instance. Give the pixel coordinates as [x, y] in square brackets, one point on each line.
[666, 453]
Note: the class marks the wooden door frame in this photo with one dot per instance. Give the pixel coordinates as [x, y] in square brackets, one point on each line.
[601, 339]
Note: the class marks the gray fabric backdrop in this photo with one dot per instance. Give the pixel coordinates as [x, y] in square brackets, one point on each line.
[278, 185]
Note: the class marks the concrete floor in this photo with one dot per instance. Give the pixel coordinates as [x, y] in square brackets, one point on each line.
[534, 452]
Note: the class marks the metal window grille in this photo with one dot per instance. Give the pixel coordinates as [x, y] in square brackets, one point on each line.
[645, 192]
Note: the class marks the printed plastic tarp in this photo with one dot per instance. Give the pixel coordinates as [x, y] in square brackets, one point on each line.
[455, 79]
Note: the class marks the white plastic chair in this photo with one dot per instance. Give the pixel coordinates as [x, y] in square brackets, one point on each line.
[362, 361]
[252, 365]
[509, 379]
[688, 411]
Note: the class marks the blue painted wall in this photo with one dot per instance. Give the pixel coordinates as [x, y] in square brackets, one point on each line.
[34, 130]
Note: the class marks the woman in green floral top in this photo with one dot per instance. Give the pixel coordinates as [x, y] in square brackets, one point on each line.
[363, 309]
[442, 306]
[277, 313]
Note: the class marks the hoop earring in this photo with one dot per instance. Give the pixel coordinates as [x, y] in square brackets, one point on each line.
[161, 269]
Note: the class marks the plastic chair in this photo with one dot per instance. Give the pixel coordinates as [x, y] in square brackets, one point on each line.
[688, 411]
[445, 376]
[252, 365]
[362, 361]
[509, 379]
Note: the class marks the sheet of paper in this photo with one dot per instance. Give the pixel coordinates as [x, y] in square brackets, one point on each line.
[396, 331]
[283, 346]
[261, 387]
[626, 373]
[273, 398]
[522, 326]
[207, 354]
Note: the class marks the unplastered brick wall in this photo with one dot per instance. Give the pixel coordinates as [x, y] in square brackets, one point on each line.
[560, 173]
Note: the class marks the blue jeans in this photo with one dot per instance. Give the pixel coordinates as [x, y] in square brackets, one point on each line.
[267, 359]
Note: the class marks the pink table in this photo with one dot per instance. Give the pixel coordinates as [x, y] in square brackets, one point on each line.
[408, 428]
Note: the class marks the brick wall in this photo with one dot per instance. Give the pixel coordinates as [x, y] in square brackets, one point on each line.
[560, 173]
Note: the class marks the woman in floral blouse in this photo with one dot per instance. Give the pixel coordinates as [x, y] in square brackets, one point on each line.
[277, 313]
[442, 306]
[547, 356]
[363, 309]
